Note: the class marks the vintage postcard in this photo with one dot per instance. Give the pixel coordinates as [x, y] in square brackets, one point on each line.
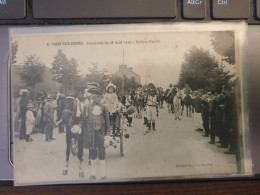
[115, 103]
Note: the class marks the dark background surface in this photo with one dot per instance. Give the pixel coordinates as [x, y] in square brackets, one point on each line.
[29, 19]
[216, 187]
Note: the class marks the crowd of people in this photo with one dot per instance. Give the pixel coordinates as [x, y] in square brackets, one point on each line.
[215, 113]
[92, 115]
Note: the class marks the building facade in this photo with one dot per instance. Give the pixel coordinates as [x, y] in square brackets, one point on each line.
[128, 72]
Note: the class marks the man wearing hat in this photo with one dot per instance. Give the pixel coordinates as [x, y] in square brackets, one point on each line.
[86, 94]
[22, 115]
[97, 126]
[48, 119]
[205, 114]
[151, 108]
[30, 121]
[226, 107]
[198, 109]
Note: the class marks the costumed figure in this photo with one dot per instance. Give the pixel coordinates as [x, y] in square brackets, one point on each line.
[97, 121]
[151, 106]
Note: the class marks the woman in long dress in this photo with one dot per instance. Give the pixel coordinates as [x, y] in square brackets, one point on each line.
[30, 121]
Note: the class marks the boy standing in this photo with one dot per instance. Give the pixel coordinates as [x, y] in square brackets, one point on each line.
[97, 127]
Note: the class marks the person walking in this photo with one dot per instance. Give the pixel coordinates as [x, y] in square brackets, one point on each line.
[151, 108]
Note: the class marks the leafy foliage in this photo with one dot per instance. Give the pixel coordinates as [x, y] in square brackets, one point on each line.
[65, 71]
[102, 77]
[32, 71]
[200, 70]
[223, 43]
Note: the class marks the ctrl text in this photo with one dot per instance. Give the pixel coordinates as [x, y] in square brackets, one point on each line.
[222, 2]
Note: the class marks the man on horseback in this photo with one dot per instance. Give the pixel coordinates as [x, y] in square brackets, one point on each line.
[187, 100]
[169, 98]
[187, 90]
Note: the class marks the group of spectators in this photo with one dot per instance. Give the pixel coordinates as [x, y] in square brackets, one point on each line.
[219, 114]
[34, 116]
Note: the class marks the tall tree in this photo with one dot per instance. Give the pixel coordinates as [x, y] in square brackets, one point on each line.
[223, 43]
[200, 70]
[65, 71]
[102, 77]
[32, 71]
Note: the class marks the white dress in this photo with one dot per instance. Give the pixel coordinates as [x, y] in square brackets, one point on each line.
[30, 121]
[111, 101]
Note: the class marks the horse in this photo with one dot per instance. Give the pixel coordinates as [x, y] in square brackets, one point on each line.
[186, 102]
[74, 141]
[177, 105]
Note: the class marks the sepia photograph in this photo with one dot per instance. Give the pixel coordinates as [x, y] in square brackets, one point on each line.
[117, 103]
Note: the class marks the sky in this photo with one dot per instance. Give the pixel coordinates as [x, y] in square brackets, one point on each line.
[158, 55]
